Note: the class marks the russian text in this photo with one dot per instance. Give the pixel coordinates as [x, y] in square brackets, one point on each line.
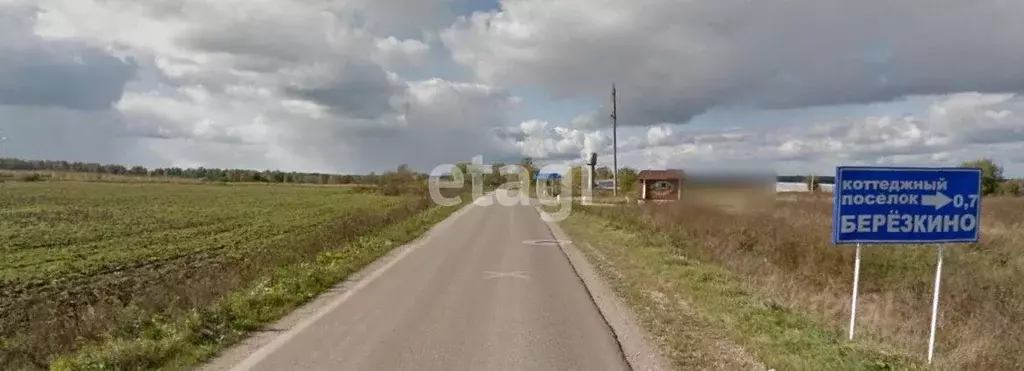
[896, 185]
[894, 222]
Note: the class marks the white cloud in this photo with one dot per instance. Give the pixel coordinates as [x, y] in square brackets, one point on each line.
[394, 53]
[673, 60]
[289, 84]
[360, 85]
[953, 129]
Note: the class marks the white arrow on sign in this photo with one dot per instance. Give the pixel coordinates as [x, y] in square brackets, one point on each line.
[938, 200]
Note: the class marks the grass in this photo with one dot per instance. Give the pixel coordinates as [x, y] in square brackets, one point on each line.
[151, 275]
[763, 275]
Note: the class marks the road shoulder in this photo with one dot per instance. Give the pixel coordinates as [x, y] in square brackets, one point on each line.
[648, 319]
[703, 316]
[635, 342]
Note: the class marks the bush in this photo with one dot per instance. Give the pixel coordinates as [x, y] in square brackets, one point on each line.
[34, 177]
[1011, 188]
[991, 175]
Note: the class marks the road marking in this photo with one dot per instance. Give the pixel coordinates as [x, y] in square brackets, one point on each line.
[516, 274]
[263, 352]
[547, 242]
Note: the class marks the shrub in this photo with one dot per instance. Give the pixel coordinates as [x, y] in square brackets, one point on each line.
[33, 177]
[1010, 188]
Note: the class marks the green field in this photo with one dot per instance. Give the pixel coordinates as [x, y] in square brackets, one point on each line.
[55, 233]
[86, 262]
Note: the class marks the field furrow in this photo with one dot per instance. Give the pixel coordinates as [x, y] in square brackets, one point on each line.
[84, 260]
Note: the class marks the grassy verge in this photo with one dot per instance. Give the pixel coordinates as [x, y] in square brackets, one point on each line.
[703, 315]
[161, 343]
[778, 247]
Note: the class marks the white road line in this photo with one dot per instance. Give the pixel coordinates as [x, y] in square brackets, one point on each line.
[516, 274]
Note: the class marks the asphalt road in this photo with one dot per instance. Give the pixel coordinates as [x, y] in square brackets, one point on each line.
[472, 296]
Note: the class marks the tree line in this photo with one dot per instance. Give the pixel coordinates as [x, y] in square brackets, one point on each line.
[993, 181]
[210, 174]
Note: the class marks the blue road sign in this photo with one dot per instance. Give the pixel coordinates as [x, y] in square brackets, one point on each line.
[876, 205]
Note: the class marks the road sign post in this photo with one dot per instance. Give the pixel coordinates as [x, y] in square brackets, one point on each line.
[856, 282]
[905, 205]
[935, 304]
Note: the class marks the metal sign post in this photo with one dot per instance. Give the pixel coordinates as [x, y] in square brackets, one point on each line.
[905, 205]
[935, 304]
[856, 282]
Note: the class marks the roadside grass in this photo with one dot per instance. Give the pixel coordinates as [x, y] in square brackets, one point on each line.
[778, 251]
[142, 272]
[702, 315]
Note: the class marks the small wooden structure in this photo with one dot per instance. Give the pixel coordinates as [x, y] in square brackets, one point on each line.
[661, 184]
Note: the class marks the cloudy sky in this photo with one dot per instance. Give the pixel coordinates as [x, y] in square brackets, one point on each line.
[797, 86]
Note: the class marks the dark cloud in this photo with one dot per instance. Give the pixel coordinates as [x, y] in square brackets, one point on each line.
[355, 89]
[289, 36]
[61, 134]
[510, 134]
[401, 18]
[64, 73]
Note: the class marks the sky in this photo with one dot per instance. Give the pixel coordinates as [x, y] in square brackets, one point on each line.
[354, 86]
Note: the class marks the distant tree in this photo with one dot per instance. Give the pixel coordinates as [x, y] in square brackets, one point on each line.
[464, 170]
[474, 174]
[527, 163]
[991, 174]
[1011, 188]
[495, 179]
[813, 184]
[627, 178]
[578, 179]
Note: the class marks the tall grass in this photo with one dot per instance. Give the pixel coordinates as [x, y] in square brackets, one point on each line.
[782, 250]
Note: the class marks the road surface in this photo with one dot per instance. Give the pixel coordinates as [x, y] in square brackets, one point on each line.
[471, 297]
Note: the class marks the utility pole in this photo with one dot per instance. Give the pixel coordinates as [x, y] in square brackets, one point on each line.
[615, 147]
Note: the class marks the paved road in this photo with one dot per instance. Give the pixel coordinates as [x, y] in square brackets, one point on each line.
[472, 297]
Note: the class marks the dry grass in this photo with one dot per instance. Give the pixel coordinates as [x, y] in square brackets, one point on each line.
[781, 251]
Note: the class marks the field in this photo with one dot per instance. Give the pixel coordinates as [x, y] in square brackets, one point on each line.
[731, 279]
[90, 264]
